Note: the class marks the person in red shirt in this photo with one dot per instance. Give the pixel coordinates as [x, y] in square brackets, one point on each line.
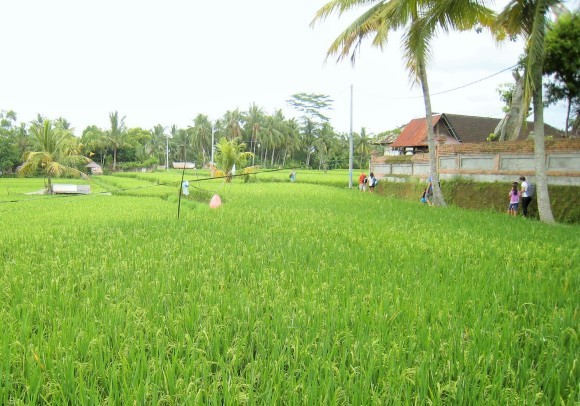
[362, 182]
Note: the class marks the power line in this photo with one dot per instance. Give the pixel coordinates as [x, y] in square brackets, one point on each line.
[446, 91]
[474, 82]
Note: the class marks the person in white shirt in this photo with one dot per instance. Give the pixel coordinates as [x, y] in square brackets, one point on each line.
[526, 200]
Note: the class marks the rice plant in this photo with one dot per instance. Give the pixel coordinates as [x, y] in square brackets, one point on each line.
[289, 293]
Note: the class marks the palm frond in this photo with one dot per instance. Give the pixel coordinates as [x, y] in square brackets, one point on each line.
[417, 47]
[349, 41]
[461, 15]
[339, 6]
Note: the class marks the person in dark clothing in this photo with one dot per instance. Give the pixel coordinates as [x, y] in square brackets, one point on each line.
[526, 200]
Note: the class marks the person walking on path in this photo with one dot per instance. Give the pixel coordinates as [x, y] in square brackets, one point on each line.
[514, 200]
[526, 199]
[362, 182]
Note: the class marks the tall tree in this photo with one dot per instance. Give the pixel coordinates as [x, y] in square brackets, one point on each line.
[325, 145]
[95, 141]
[312, 107]
[158, 143]
[116, 135]
[54, 154]
[363, 146]
[233, 124]
[562, 62]
[201, 131]
[309, 133]
[291, 140]
[140, 139]
[254, 119]
[182, 143]
[13, 141]
[420, 19]
[512, 94]
[529, 18]
[271, 135]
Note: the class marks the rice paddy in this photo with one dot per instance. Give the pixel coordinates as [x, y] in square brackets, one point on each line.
[290, 293]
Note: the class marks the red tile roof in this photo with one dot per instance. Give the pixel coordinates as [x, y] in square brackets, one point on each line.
[415, 133]
[467, 129]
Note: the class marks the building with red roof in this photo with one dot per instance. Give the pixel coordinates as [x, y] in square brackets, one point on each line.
[455, 129]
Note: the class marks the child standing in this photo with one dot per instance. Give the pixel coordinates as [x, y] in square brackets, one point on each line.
[424, 196]
[514, 200]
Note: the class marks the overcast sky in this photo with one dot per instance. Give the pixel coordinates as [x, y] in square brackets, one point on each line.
[164, 62]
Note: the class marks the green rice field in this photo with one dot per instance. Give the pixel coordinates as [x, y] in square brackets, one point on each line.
[301, 293]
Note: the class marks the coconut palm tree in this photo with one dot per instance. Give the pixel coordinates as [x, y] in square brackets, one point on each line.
[363, 146]
[325, 145]
[231, 153]
[116, 135]
[271, 134]
[95, 143]
[254, 120]
[529, 18]
[420, 20]
[181, 140]
[291, 140]
[232, 121]
[55, 153]
[310, 130]
[201, 131]
[158, 142]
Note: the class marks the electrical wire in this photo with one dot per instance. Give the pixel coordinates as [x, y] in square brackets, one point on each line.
[445, 91]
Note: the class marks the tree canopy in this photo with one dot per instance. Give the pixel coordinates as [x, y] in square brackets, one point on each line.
[562, 64]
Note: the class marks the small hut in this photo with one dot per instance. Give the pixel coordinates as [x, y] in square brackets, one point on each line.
[95, 168]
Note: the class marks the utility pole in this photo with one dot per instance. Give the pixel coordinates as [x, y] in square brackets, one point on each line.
[212, 141]
[350, 146]
[167, 152]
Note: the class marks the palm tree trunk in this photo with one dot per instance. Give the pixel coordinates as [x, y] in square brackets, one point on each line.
[49, 187]
[544, 207]
[438, 199]
[114, 159]
[254, 151]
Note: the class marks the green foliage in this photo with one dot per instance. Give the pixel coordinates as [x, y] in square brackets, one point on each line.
[288, 294]
[506, 91]
[311, 105]
[562, 61]
[149, 162]
[492, 137]
[9, 152]
[230, 153]
[9, 157]
[55, 153]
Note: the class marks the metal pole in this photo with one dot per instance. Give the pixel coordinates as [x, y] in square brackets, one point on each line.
[167, 152]
[212, 142]
[350, 145]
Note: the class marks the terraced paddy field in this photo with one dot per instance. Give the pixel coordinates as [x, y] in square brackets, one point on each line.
[290, 293]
